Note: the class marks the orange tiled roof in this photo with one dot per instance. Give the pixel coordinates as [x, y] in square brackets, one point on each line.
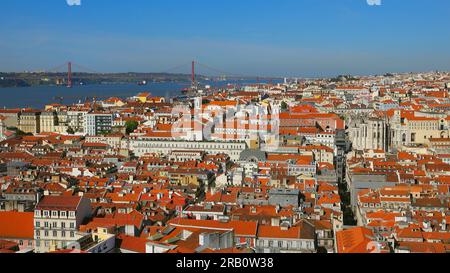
[241, 228]
[59, 203]
[423, 247]
[278, 232]
[16, 225]
[355, 240]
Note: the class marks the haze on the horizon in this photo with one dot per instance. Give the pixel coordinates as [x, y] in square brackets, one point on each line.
[253, 37]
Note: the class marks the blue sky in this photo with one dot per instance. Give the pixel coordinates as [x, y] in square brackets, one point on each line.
[251, 37]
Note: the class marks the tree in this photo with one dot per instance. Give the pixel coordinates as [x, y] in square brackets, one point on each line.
[104, 132]
[18, 131]
[70, 131]
[131, 125]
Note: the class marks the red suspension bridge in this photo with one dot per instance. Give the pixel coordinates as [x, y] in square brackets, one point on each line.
[206, 71]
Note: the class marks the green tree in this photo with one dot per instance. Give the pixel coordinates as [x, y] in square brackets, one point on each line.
[131, 125]
[70, 131]
[18, 131]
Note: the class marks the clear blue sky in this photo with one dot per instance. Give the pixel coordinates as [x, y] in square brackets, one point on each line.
[255, 37]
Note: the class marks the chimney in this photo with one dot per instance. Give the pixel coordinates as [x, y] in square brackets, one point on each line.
[275, 222]
[284, 226]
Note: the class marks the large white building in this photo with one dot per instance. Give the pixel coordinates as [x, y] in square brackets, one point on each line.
[57, 220]
[76, 120]
[49, 121]
[147, 145]
[98, 123]
[114, 141]
[2, 128]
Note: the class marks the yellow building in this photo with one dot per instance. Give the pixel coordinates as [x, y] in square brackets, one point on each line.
[422, 129]
[29, 121]
[48, 121]
[143, 97]
[184, 180]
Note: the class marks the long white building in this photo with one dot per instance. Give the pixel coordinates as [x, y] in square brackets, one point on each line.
[146, 145]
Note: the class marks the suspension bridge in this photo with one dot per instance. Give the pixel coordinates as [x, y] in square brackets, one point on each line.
[198, 70]
[191, 74]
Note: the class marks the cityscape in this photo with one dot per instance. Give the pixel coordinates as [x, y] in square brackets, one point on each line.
[197, 160]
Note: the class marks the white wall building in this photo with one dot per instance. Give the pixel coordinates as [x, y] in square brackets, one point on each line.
[146, 145]
[98, 123]
[57, 220]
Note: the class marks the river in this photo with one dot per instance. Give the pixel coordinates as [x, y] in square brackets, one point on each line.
[39, 96]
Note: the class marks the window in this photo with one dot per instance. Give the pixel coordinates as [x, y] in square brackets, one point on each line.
[72, 234]
[38, 224]
[55, 233]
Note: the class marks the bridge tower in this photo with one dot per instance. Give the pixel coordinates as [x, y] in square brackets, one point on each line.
[69, 75]
[193, 74]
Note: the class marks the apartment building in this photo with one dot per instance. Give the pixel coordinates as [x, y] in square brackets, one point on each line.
[113, 141]
[57, 220]
[2, 128]
[30, 122]
[98, 123]
[48, 121]
[76, 120]
[286, 239]
[11, 117]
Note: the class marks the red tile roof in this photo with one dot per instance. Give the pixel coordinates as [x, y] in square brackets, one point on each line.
[420, 247]
[355, 240]
[134, 244]
[278, 232]
[241, 228]
[59, 203]
[16, 225]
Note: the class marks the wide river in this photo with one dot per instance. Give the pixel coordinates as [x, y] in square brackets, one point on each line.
[39, 96]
